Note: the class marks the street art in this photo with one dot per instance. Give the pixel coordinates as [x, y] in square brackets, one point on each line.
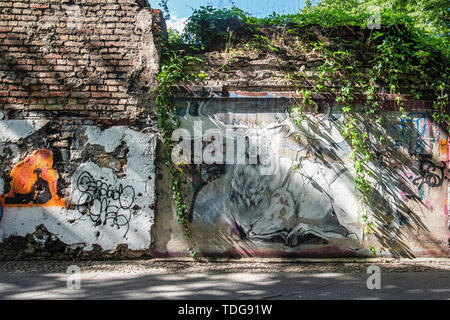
[415, 134]
[431, 174]
[108, 200]
[443, 146]
[309, 202]
[290, 207]
[413, 129]
[34, 182]
[313, 205]
[103, 203]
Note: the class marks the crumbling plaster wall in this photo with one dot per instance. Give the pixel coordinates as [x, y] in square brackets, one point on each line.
[76, 141]
[105, 177]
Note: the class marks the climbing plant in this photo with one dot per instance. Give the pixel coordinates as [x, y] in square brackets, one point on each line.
[173, 70]
[398, 52]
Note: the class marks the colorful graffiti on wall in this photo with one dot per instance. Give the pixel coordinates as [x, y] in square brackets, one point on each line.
[33, 182]
[309, 202]
[413, 129]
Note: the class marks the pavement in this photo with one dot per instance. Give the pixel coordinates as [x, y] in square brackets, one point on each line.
[230, 280]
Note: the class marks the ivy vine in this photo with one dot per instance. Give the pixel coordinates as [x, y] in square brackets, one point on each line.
[173, 70]
[396, 53]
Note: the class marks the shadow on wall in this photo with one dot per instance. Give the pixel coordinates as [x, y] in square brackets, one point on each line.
[313, 210]
[413, 184]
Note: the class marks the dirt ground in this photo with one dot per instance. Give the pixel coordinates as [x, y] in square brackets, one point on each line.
[251, 265]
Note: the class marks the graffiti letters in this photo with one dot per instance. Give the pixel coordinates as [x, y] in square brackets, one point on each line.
[413, 129]
[430, 174]
[103, 203]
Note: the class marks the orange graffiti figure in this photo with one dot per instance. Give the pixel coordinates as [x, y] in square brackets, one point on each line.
[34, 182]
[443, 147]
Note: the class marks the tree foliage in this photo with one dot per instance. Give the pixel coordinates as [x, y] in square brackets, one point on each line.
[209, 26]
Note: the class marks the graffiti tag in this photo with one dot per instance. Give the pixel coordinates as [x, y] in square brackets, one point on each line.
[103, 203]
[430, 174]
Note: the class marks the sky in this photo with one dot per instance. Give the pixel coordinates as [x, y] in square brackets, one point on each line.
[180, 10]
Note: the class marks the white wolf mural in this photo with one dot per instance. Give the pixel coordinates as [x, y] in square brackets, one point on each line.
[311, 204]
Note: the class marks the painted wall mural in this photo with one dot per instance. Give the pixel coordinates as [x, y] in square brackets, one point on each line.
[280, 196]
[34, 182]
[309, 203]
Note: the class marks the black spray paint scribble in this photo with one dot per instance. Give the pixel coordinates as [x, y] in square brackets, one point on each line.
[430, 174]
[103, 203]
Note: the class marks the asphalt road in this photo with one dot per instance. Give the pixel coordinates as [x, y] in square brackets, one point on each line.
[230, 286]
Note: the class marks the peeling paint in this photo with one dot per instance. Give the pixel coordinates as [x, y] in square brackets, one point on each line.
[131, 195]
[14, 130]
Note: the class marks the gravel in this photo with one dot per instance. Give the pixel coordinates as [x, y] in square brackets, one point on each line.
[248, 265]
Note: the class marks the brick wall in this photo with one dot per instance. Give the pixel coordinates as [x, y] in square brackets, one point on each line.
[87, 58]
[85, 69]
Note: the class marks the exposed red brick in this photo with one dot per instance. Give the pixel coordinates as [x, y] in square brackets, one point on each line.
[84, 64]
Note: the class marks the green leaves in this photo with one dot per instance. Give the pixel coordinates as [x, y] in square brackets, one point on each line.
[173, 70]
[210, 27]
[262, 42]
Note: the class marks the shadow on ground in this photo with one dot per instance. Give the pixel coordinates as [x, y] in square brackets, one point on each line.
[235, 286]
